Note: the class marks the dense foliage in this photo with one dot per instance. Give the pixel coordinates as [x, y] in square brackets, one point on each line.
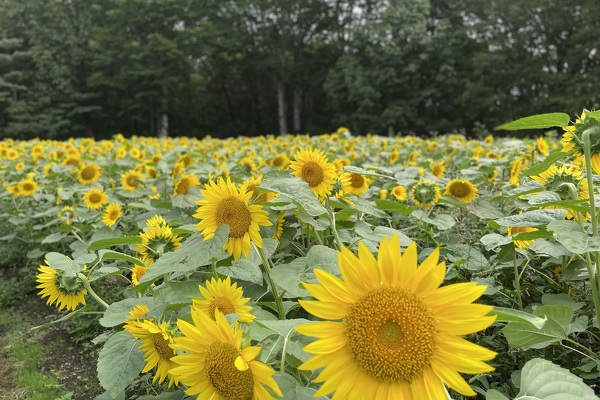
[242, 67]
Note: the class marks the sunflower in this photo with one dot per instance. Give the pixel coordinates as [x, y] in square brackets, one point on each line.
[399, 192]
[251, 185]
[137, 272]
[89, 173]
[111, 214]
[157, 239]
[131, 180]
[567, 182]
[215, 366]
[223, 296]
[94, 199]
[279, 226]
[312, 167]
[390, 331]
[185, 183]
[515, 171]
[462, 189]
[515, 230]
[572, 140]
[156, 342]
[425, 193]
[541, 145]
[438, 169]
[281, 161]
[223, 204]
[66, 290]
[27, 187]
[353, 183]
[135, 313]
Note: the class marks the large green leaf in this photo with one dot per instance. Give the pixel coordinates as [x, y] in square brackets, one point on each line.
[512, 315]
[294, 188]
[532, 218]
[571, 235]
[543, 380]
[106, 243]
[539, 121]
[524, 335]
[119, 363]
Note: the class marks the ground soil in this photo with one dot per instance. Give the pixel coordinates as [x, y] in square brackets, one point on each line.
[73, 365]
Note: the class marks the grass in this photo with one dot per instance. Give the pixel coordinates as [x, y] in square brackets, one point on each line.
[21, 358]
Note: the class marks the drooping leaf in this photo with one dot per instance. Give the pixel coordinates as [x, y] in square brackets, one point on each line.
[295, 189]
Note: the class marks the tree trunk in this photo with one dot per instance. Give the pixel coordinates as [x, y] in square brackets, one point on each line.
[281, 107]
[297, 108]
[163, 118]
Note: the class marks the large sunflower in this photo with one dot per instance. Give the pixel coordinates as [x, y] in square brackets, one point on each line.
[312, 167]
[111, 214]
[461, 189]
[89, 173]
[425, 193]
[95, 199]
[390, 331]
[156, 342]
[66, 290]
[223, 296]
[223, 204]
[353, 183]
[215, 366]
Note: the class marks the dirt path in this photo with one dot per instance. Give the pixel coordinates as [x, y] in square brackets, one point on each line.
[73, 366]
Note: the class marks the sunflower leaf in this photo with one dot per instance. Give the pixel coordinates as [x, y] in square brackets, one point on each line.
[572, 236]
[541, 379]
[106, 243]
[545, 164]
[119, 363]
[296, 189]
[532, 218]
[539, 121]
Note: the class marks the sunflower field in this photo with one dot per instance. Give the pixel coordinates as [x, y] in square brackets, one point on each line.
[330, 266]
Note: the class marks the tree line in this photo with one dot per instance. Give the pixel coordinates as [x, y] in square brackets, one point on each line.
[249, 67]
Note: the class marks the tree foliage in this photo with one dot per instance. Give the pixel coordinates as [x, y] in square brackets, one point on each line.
[248, 67]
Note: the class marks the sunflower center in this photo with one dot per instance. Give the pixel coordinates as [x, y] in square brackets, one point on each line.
[278, 161]
[222, 304]
[183, 187]
[95, 198]
[88, 173]
[312, 173]
[222, 374]
[460, 189]
[162, 346]
[114, 214]
[357, 181]
[391, 334]
[132, 180]
[235, 213]
[27, 187]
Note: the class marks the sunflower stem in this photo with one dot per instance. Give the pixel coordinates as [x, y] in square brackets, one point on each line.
[593, 268]
[266, 270]
[517, 282]
[86, 283]
[331, 216]
[214, 270]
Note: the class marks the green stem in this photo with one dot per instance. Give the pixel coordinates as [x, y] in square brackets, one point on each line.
[593, 270]
[86, 283]
[331, 216]
[588, 353]
[517, 282]
[266, 270]
[214, 270]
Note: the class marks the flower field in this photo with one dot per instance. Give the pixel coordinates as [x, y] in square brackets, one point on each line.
[331, 266]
